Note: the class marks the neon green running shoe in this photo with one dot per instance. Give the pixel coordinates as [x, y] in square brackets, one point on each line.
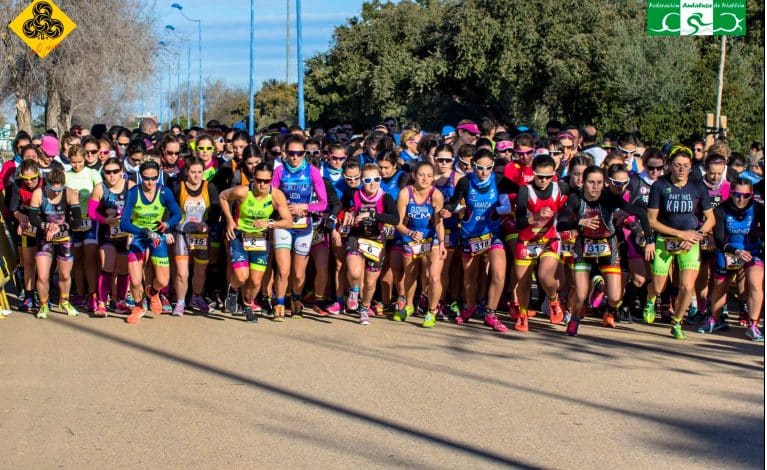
[429, 320]
[649, 313]
[43, 312]
[677, 332]
[69, 308]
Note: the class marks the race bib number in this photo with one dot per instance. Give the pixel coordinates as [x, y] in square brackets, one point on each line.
[389, 231]
[114, 230]
[60, 237]
[733, 262]
[641, 241]
[421, 248]
[29, 231]
[479, 245]
[300, 222]
[253, 242]
[317, 237]
[707, 243]
[568, 248]
[370, 249]
[674, 245]
[533, 249]
[197, 241]
[596, 248]
[85, 225]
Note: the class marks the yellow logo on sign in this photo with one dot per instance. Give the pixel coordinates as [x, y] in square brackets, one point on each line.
[42, 26]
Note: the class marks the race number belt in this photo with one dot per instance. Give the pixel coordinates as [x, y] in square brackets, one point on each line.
[300, 222]
[29, 231]
[567, 243]
[370, 249]
[596, 248]
[733, 262]
[421, 248]
[707, 243]
[197, 241]
[115, 232]
[317, 237]
[388, 231]
[60, 237]
[479, 245]
[85, 225]
[534, 248]
[640, 239]
[674, 245]
[253, 242]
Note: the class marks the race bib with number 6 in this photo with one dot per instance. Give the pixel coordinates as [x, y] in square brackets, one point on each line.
[370, 249]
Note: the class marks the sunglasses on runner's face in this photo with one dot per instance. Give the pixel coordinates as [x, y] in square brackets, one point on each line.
[172, 154]
[313, 153]
[618, 183]
[628, 153]
[739, 195]
[150, 178]
[93, 152]
[555, 153]
[483, 168]
[654, 168]
[351, 178]
[369, 180]
[444, 160]
[263, 181]
[112, 172]
[30, 178]
[544, 176]
[295, 153]
[338, 159]
[205, 149]
[523, 153]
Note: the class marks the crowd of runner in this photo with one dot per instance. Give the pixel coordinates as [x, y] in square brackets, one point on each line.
[479, 221]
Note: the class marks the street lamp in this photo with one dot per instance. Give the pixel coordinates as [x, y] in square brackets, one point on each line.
[199, 52]
[178, 82]
[251, 124]
[188, 73]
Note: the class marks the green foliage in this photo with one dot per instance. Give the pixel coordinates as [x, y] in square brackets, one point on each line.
[437, 61]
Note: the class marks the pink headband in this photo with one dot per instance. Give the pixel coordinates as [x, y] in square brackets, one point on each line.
[469, 127]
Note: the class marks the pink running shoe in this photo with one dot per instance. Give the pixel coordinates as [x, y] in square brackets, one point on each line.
[493, 322]
[335, 308]
[92, 304]
[572, 328]
[465, 315]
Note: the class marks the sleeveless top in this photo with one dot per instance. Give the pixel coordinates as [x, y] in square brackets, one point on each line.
[419, 217]
[252, 209]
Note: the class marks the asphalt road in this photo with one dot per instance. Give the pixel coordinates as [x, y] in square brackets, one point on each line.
[215, 392]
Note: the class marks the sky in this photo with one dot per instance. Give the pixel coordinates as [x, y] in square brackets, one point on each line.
[226, 29]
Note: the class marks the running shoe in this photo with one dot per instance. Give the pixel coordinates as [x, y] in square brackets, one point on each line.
[297, 308]
[250, 316]
[178, 310]
[649, 313]
[401, 315]
[42, 313]
[624, 314]
[79, 300]
[423, 305]
[27, 305]
[521, 324]
[557, 315]
[572, 328]
[695, 317]
[319, 308]
[364, 316]
[568, 316]
[399, 304]
[441, 315]
[352, 301]
[155, 304]
[429, 320]
[465, 315]
[200, 304]
[135, 315]
[677, 332]
[279, 313]
[514, 312]
[123, 307]
[754, 333]
[710, 325]
[608, 320]
[376, 309]
[167, 308]
[68, 308]
[256, 307]
[454, 309]
[491, 320]
[335, 308]
[230, 302]
[309, 298]
[597, 292]
[743, 319]
[92, 304]
[101, 310]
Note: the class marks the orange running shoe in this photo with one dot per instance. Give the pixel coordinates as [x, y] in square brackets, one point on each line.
[135, 314]
[521, 324]
[608, 320]
[556, 315]
[155, 304]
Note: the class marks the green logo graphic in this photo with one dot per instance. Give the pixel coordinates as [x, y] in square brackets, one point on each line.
[696, 18]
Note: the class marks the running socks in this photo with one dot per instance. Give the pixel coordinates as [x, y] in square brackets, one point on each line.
[104, 285]
[123, 282]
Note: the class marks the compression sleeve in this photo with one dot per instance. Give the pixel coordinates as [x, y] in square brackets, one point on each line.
[461, 190]
[520, 218]
[334, 204]
[34, 217]
[318, 182]
[15, 196]
[169, 202]
[214, 212]
[390, 214]
[75, 215]
[93, 212]
[720, 229]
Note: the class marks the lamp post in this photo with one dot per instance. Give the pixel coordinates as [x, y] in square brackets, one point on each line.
[251, 124]
[188, 73]
[180, 8]
[300, 68]
[166, 46]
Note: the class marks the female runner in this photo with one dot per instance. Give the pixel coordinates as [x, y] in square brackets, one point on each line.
[20, 193]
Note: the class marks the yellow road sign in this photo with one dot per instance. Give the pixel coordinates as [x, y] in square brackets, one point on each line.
[42, 26]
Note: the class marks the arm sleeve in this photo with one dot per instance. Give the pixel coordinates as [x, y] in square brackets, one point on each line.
[75, 215]
[318, 182]
[125, 220]
[14, 196]
[334, 204]
[461, 190]
[568, 217]
[720, 229]
[635, 210]
[277, 177]
[507, 186]
[390, 214]
[34, 217]
[93, 212]
[521, 213]
[214, 213]
[168, 201]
